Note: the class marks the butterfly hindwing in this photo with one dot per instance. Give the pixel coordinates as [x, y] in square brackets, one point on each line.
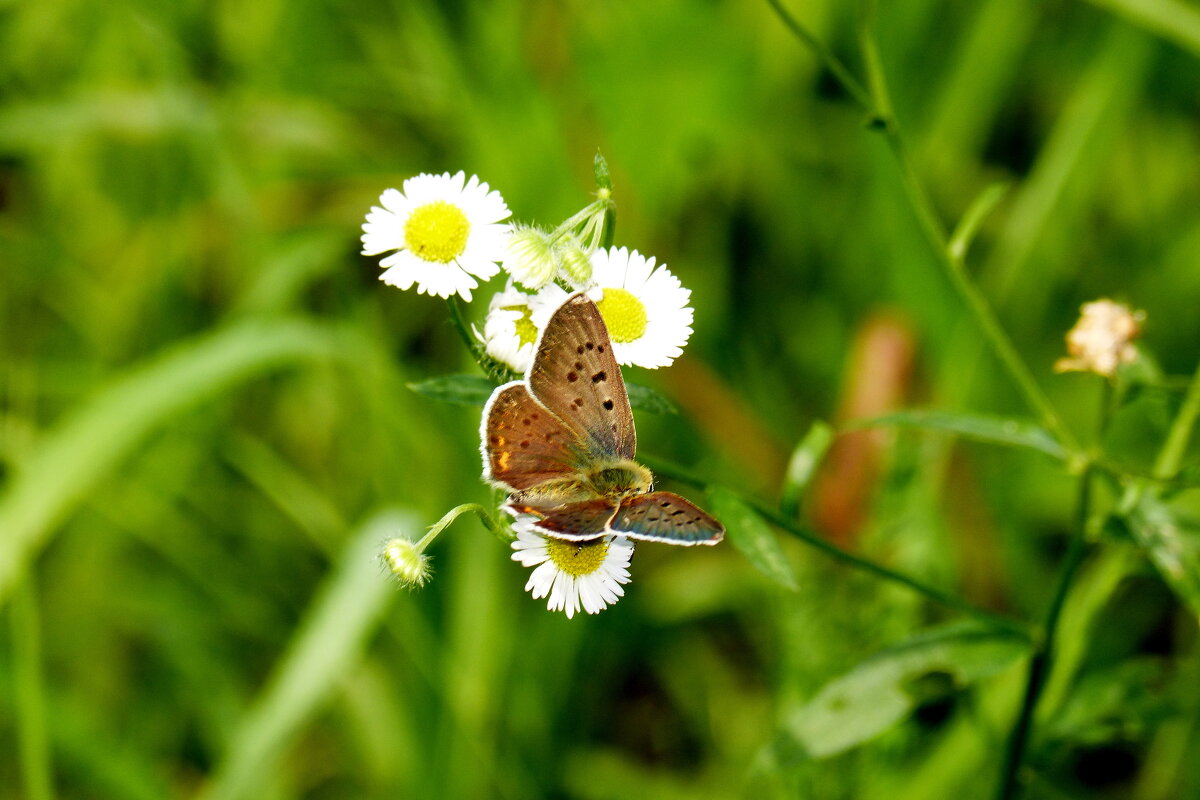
[580, 521]
[666, 517]
[525, 445]
[575, 375]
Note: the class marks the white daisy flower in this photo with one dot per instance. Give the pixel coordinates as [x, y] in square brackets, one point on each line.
[573, 575]
[645, 307]
[514, 321]
[446, 231]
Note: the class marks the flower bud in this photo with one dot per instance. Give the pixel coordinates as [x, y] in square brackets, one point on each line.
[1102, 339]
[406, 562]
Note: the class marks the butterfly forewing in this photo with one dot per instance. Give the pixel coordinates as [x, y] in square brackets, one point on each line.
[578, 521]
[525, 445]
[666, 517]
[575, 375]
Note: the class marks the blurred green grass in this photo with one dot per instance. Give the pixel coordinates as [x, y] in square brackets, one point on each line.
[176, 176]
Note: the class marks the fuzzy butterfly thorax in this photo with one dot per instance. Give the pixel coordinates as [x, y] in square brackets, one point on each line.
[561, 442]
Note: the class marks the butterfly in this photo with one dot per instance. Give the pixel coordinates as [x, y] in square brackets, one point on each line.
[561, 442]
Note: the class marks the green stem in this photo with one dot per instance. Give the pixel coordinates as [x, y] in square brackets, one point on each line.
[36, 771]
[494, 528]
[1041, 662]
[496, 371]
[1166, 466]
[779, 520]
[460, 324]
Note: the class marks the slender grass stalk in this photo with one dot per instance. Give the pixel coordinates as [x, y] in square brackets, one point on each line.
[825, 56]
[324, 648]
[949, 600]
[36, 770]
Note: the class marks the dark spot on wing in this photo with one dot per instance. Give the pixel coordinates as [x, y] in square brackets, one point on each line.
[525, 443]
[589, 345]
[525, 421]
[578, 365]
[600, 377]
[676, 513]
[665, 504]
[579, 349]
[599, 348]
[579, 402]
[572, 377]
[608, 405]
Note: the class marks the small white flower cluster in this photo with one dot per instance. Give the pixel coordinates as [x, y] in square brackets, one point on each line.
[445, 233]
[1102, 339]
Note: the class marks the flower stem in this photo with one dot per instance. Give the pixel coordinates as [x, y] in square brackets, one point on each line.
[460, 325]
[492, 368]
[781, 521]
[1040, 663]
[448, 518]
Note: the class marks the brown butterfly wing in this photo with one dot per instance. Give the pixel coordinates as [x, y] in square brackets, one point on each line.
[525, 445]
[575, 375]
[577, 522]
[666, 517]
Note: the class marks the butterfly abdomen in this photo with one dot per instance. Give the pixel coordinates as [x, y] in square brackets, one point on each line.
[620, 479]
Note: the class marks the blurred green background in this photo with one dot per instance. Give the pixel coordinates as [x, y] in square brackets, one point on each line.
[205, 427]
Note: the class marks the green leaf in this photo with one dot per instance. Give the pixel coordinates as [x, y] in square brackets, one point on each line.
[643, 398]
[803, 465]
[977, 212]
[474, 390]
[1173, 544]
[84, 447]
[467, 390]
[884, 689]
[752, 536]
[981, 427]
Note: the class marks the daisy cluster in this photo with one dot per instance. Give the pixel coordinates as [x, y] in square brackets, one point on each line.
[444, 234]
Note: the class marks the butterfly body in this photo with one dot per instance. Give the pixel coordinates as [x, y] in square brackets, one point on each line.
[562, 443]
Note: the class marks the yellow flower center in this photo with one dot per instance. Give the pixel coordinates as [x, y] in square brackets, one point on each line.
[575, 558]
[437, 231]
[527, 332]
[624, 314]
